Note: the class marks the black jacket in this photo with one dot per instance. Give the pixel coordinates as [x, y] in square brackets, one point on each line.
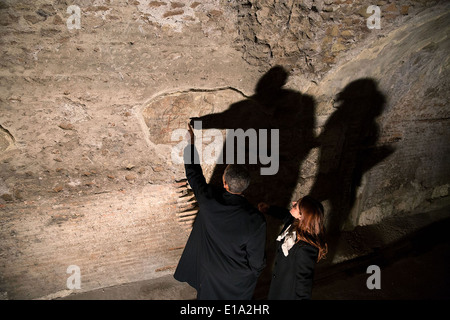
[224, 254]
[292, 276]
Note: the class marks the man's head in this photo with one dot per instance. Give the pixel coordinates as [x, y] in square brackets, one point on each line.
[236, 178]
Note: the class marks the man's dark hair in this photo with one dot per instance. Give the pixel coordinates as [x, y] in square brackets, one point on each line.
[237, 178]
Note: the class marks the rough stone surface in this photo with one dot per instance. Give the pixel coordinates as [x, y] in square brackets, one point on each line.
[86, 117]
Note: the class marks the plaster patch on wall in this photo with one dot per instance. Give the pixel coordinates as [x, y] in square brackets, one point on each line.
[74, 112]
[374, 215]
[441, 191]
[169, 111]
[176, 14]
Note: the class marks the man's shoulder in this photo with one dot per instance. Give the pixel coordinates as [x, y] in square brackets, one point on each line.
[255, 215]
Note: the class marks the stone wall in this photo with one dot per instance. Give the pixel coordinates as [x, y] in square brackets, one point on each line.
[313, 36]
[86, 117]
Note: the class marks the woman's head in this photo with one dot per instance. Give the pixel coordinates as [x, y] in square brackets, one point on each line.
[309, 215]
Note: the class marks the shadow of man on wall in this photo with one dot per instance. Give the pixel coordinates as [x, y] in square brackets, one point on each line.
[288, 118]
[348, 149]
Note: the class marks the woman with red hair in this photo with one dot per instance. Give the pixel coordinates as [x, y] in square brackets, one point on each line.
[300, 246]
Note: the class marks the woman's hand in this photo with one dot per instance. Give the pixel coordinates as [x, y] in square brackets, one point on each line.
[263, 207]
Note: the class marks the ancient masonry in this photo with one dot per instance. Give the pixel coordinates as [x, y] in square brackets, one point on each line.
[91, 92]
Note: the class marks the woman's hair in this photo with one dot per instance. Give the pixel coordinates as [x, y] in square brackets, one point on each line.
[310, 228]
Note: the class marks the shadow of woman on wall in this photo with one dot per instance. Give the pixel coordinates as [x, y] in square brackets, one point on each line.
[272, 107]
[348, 149]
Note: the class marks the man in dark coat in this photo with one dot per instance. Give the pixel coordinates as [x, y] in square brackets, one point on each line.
[293, 273]
[224, 254]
